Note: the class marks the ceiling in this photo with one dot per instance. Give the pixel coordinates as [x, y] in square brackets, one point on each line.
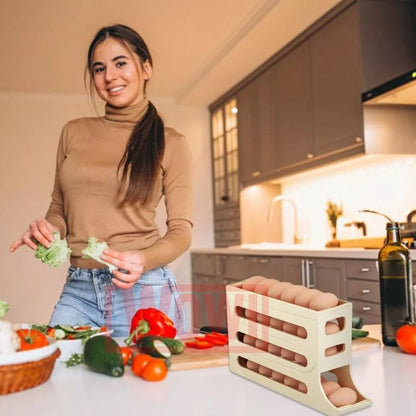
[200, 48]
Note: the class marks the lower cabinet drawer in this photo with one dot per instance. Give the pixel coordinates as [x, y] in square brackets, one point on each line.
[361, 269]
[366, 291]
[370, 312]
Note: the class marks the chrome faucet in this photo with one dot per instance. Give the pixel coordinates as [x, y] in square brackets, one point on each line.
[296, 236]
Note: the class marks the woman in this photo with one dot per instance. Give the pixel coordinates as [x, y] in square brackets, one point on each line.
[111, 174]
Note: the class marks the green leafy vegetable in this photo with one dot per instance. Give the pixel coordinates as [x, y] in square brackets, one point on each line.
[4, 307]
[75, 359]
[56, 254]
[94, 250]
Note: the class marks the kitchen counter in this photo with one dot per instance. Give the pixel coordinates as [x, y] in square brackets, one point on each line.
[296, 251]
[384, 375]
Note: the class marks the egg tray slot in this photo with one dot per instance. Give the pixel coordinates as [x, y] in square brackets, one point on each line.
[312, 347]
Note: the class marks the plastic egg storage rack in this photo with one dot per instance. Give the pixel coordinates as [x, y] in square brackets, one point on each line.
[312, 347]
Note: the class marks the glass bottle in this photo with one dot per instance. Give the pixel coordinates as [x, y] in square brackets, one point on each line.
[395, 275]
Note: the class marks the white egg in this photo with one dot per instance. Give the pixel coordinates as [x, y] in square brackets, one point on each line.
[343, 396]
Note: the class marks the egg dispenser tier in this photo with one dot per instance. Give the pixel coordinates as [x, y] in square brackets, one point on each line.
[312, 347]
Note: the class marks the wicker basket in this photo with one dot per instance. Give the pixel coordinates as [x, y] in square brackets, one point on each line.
[17, 377]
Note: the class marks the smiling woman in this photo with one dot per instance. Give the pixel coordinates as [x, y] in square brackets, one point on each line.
[111, 174]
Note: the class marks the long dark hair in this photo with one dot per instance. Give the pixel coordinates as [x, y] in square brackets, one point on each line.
[140, 164]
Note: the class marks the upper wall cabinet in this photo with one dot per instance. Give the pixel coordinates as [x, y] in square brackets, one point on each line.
[224, 132]
[388, 39]
[303, 108]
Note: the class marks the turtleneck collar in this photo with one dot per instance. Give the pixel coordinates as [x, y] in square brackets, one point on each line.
[131, 114]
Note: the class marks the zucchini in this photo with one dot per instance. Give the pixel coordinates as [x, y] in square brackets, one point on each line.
[148, 344]
[358, 333]
[102, 354]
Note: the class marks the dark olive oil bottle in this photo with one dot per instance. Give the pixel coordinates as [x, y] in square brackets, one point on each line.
[395, 273]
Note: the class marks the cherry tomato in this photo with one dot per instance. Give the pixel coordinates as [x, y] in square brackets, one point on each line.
[155, 370]
[406, 338]
[31, 339]
[139, 362]
[50, 332]
[126, 354]
[83, 328]
[103, 329]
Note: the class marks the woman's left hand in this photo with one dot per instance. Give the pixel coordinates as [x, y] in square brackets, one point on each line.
[132, 264]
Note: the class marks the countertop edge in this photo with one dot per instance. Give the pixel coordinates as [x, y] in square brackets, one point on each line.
[335, 253]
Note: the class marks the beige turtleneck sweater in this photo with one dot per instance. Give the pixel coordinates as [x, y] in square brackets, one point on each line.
[84, 199]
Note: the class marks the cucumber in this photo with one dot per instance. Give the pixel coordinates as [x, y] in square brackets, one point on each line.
[67, 328]
[60, 334]
[148, 343]
[155, 347]
[358, 333]
[102, 354]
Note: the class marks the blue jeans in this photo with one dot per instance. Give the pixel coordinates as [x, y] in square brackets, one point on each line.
[90, 297]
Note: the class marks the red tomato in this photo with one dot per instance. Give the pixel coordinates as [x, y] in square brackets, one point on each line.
[126, 354]
[202, 345]
[139, 363]
[155, 370]
[216, 340]
[406, 338]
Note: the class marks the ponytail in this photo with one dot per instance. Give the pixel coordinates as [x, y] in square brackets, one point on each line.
[141, 161]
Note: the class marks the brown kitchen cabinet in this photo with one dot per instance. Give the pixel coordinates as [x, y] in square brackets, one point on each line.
[337, 109]
[310, 92]
[363, 289]
[226, 186]
[327, 275]
[257, 145]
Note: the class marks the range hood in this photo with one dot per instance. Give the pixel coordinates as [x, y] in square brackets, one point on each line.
[390, 116]
[399, 91]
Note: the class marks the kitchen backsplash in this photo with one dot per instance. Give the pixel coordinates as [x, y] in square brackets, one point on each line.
[382, 183]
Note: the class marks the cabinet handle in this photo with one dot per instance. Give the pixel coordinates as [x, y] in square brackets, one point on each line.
[302, 269]
[365, 291]
[366, 308]
[264, 260]
[310, 156]
[365, 269]
[255, 174]
[225, 198]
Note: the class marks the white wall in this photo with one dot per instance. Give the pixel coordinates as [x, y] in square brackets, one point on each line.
[386, 184]
[30, 125]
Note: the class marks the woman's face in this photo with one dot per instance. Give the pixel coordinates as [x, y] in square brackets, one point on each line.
[118, 75]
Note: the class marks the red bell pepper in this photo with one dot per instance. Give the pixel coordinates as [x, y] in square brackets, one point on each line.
[150, 321]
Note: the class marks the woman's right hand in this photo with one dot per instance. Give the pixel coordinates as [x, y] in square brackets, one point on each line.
[40, 231]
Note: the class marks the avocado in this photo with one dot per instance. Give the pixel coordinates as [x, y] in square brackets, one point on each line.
[102, 354]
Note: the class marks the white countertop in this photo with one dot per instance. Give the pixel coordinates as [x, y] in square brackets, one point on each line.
[300, 251]
[386, 376]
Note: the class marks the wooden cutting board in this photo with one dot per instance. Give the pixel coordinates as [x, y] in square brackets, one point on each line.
[366, 343]
[194, 358]
[217, 356]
